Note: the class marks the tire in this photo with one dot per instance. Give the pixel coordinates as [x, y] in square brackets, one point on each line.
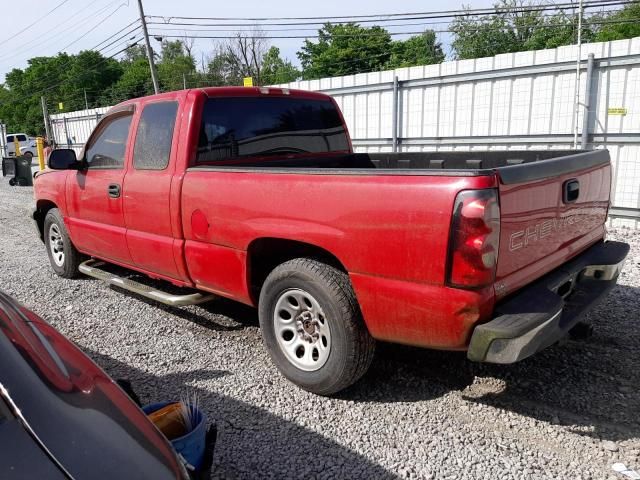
[324, 346]
[63, 256]
[28, 154]
[12, 182]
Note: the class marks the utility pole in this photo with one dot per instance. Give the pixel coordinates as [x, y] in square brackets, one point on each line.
[45, 115]
[86, 104]
[578, 61]
[184, 80]
[152, 65]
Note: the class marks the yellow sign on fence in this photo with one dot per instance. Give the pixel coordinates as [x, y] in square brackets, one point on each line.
[248, 81]
[617, 111]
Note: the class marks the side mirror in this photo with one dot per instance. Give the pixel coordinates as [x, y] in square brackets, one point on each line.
[63, 159]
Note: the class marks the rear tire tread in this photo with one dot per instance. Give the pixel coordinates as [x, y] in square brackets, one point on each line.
[340, 289]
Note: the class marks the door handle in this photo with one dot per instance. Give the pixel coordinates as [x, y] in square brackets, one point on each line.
[571, 191]
[114, 190]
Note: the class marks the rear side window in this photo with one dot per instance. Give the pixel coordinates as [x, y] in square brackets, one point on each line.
[155, 135]
[22, 138]
[240, 127]
[107, 148]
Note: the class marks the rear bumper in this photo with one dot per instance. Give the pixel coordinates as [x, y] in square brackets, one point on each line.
[542, 313]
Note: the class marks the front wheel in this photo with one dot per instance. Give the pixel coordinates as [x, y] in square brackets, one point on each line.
[312, 326]
[63, 256]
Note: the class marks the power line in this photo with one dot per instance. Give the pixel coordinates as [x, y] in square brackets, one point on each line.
[44, 37]
[34, 22]
[49, 40]
[94, 26]
[185, 32]
[430, 14]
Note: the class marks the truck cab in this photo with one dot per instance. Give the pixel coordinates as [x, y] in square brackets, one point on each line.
[27, 145]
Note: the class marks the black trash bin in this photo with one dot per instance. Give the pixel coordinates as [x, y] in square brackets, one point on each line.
[24, 176]
[9, 167]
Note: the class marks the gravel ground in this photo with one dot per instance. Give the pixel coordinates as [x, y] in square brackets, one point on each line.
[568, 412]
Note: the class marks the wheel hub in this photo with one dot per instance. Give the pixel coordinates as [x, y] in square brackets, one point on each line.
[301, 329]
[56, 244]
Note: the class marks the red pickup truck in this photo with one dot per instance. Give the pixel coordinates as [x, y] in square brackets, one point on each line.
[255, 194]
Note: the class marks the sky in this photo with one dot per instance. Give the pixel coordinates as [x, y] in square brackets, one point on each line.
[82, 24]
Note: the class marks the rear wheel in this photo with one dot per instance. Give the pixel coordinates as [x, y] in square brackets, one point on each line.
[312, 326]
[63, 256]
[28, 154]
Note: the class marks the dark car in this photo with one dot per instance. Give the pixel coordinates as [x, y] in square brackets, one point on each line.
[62, 417]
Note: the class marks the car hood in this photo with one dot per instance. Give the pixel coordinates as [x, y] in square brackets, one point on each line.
[88, 424]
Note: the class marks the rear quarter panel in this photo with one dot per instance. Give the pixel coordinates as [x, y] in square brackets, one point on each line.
[389, 231]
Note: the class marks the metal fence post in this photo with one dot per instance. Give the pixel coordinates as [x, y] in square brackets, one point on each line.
[394, 116]
[584, 139]
[66, 131]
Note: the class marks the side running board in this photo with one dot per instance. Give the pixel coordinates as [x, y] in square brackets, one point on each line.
[90, 267]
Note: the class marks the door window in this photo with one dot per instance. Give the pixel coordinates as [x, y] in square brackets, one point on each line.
[107, 148]
[22, 138]
[154, 136]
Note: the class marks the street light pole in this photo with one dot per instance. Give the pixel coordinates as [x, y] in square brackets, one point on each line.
[152, 65]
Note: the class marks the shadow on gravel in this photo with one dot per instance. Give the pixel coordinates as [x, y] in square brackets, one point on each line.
[251, 441]
[590, 387]
[408, 374]
[219, 315]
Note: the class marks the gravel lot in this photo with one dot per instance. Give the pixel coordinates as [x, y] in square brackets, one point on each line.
[569, 412]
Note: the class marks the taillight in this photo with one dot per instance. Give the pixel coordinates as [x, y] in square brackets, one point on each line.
[474, 239]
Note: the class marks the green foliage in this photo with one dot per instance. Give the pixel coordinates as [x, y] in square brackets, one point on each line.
[421, 49]
[345, 49]
[513, 28]
[276, 70]
[63, 78]
[175, 66]
[621, 24]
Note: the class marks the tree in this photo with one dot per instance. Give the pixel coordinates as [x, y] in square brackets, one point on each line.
[134, 82]
[276, 70]
[515, 28]
[620, 24]
[223, 68]
[135, 52]
[345, 49]
[421, 49]
[62, 78]
[175, 65]
[246, 53]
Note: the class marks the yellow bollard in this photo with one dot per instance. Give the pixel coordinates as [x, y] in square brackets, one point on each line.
[40, 148]
[16, 146]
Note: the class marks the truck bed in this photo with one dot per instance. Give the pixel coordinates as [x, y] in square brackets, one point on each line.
[513, 166]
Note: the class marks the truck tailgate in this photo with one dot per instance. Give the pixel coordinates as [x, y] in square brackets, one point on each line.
[549, 212]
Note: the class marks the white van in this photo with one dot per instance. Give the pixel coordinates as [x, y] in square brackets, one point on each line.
[27, 145]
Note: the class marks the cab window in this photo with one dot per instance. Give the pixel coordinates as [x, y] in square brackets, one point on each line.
[154, 136]
[107, 148]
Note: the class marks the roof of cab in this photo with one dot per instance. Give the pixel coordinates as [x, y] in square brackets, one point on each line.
[229, 92]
